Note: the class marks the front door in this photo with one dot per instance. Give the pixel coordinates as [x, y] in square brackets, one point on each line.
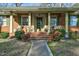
[39, 23]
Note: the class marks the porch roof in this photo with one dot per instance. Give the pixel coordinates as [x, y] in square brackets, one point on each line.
[8, 10]
[65, 9]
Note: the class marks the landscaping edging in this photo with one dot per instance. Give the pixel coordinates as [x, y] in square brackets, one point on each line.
[29, 51]
[49, 49]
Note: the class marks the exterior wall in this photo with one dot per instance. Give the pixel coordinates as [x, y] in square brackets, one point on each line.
[15, 23]
[60, 17]
[74, 28]
[4, 29]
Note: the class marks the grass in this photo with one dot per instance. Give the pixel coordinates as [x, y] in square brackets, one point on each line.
[64, 48]
[13, 47]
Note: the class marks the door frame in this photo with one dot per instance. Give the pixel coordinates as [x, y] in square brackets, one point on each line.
[34, 15]
[42, 22]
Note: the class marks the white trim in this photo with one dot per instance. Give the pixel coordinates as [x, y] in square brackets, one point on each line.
[48, 22]
[11, 23]
[29, 52]
[29, 19]
[66, 22]
[49, 49]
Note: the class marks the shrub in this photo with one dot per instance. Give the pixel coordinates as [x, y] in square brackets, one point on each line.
[18, 34]
[25, 37]
[4, 35]
[74, 35]
[62, 32]
[57, 34]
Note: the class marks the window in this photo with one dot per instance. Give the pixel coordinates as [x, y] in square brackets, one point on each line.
[3, 20]
[24, 20]
[73, 20]
[53, 21]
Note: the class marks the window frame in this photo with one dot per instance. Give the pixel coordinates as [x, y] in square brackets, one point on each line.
[73, 21]
[4, 21]
[56, 20]
[22, 20]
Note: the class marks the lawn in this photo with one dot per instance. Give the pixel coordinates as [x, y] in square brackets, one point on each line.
[65, 48]
[13, 47]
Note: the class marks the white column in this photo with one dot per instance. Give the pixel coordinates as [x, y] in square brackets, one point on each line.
[48, 22]
[11, 23]
[66, 24]
[29, 20]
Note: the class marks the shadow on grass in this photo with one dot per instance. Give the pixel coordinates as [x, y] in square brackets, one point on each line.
[67, 48]
[14, 48]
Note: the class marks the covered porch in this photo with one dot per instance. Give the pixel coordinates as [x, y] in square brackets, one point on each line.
[40, 21]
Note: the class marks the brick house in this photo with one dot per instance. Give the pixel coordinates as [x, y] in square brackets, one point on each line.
[35, 18]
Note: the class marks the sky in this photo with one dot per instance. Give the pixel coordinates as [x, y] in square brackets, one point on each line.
[40, 1]
[32, 4]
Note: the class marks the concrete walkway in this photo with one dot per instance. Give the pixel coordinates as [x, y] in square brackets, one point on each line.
[39, 48]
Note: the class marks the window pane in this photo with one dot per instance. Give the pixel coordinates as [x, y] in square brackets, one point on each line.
[24, 20]
[53, 21]
[3, 20]
[73, 20]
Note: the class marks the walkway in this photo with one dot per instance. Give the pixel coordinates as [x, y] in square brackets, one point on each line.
[39, 48]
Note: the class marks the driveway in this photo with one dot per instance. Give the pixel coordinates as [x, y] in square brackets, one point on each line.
[39, 48]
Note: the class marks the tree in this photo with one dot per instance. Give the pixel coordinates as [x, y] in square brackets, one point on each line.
[56, 4]
[3, 4]
[18, 4]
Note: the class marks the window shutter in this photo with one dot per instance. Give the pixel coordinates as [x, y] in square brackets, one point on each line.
[19, 20]
[78, 20]
[8, 21]
[69, 20]
[58, 21]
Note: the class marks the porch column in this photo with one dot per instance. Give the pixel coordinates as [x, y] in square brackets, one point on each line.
[49, 22]
[11, 23]
[29, 21]
[66, 25]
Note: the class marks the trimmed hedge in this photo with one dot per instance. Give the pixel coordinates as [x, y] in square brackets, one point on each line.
[73, 35]
[4, 35]
[18, 34]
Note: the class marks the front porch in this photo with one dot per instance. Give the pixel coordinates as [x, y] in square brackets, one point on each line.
[38, 22]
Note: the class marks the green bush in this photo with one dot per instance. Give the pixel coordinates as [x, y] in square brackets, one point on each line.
[18, 34]
[62, 31]
[4, 35]
[58, 34]
[61, 36]
[73, 35]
